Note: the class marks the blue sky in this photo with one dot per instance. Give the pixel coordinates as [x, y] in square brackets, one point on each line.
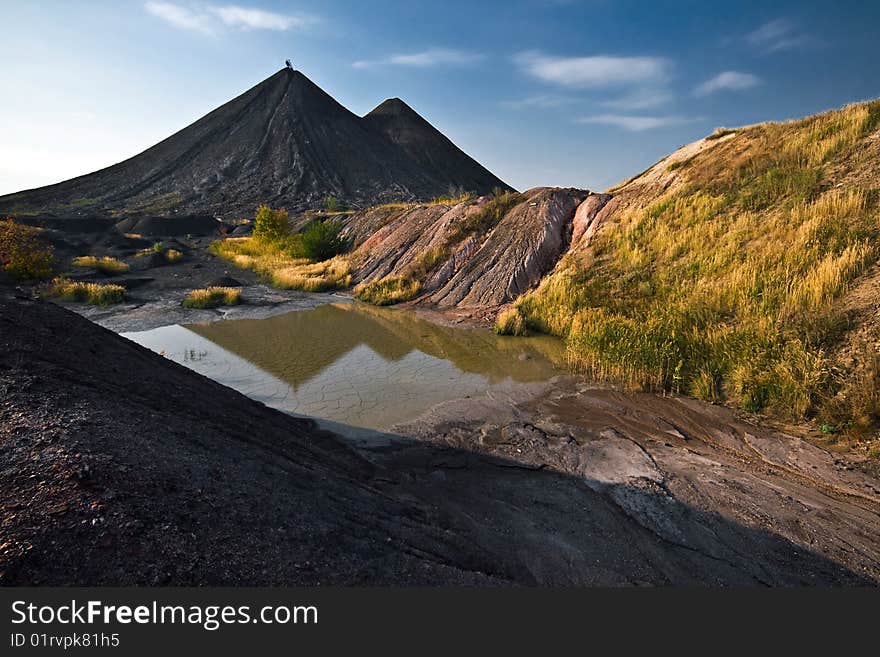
[542, 92]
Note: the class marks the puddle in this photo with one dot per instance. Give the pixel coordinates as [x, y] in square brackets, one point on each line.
[353, 364]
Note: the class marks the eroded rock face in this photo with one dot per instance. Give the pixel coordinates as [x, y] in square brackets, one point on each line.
[585, 219]
[487, 268]
[523, 247]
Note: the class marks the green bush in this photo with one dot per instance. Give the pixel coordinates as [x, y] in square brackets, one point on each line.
[322, 240]
[271, 225]
[333, 204]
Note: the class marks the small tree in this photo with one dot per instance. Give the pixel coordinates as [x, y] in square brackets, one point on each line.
[322, 240]
[22, 253]
[271, 225]
[333, 204]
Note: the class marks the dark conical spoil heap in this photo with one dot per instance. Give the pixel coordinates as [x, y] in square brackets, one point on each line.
[284, 142]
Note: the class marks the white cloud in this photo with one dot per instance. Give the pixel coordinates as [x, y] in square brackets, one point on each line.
[593, 71]
[424, 59]
[258, 19]
[780, 34]
[212, 19]
[181, 17]
[634, 123]
[728, 81]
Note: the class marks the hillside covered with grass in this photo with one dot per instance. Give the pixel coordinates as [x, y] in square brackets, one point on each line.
[725, 272]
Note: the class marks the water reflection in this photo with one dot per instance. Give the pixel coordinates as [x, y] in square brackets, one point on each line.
[352, 363]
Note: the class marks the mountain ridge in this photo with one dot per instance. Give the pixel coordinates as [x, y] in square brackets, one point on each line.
[284, 141]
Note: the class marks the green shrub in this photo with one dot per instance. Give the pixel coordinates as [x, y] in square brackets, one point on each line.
[322, 240]
[333, 204]
[271, 225]
[22, 253]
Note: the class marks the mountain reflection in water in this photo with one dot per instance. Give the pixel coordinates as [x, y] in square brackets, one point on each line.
[352, 363]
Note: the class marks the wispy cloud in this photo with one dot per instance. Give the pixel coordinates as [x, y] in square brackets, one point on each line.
[424, 59]
[544, 101]
[213, 19]
[258, 19]
[727, 81]
[634, 123]
[593, 71]
[181, 17]
[777, 35]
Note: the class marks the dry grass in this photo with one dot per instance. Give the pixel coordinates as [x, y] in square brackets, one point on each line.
[173, 255]
[486, 218]
[23, 254]
[452, 198]
[96, 294]
[104, 264]
[212, 297]
[725, 288]
[285, 271]
[323, 276]
[388, 290]
[406, 286]
[510, 322]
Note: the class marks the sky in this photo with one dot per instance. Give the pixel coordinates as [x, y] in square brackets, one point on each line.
[541, 92]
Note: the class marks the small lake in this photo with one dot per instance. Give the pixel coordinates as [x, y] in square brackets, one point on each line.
[354, 364]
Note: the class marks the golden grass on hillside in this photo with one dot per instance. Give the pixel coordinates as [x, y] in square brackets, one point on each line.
[104, 264]
[510, 322]
[453, 198]
[96, 294]
[389, 290]
[406, 286]
[330, 274]
[725, 287]
[212, 297]
[272, 260]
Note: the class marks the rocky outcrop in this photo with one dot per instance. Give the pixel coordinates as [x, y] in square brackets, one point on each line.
[586, 219]
[523, 247]
[486, 267]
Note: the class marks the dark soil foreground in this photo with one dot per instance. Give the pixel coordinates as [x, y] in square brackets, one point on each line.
[120, 467]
